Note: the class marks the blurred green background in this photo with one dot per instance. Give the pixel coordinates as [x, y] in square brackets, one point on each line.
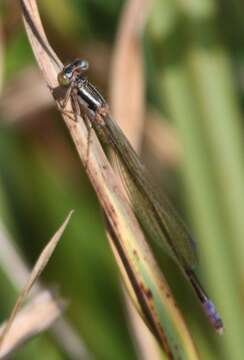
[194, 57]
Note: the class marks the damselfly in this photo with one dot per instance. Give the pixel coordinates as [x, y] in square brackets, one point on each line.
[157, 216]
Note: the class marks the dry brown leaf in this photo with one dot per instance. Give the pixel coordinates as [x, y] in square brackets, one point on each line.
[33, 319]
[127, 78]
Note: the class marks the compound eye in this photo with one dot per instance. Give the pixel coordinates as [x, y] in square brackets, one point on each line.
[80, 65]
[63, 80]
[84, 65]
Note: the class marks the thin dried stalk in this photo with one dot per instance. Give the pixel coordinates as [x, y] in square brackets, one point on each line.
[36, 272]
[127, 77]
[18, 273]
[30, 321]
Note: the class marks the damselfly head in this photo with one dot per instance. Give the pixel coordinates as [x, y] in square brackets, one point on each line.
[71, 70]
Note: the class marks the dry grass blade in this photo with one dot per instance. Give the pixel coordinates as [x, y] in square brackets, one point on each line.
[146, 345]
[149, 288]
[33, 319]
[127, 80]
[161, 141]
[141, 289]
[36, 272]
